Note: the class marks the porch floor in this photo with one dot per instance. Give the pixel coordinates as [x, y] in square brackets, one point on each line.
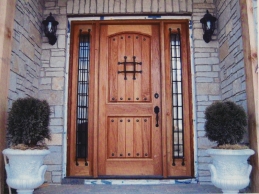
[127, 189]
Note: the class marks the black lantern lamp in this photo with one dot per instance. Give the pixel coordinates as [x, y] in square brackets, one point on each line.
[50, 28]
[208, 26]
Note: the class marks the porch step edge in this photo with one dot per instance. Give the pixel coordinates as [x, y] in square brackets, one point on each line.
[128, 181]
[137, 182]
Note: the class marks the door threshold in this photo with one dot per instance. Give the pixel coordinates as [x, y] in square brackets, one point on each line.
[108, 181]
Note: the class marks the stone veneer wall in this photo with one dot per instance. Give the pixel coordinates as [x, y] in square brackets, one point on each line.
[206, 83]
[206, 70]
[233, 76]
[52, 88]
[233, 86]
[26, 50]
[231, 56]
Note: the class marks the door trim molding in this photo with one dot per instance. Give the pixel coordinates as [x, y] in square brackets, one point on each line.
[143, 17]
[135, 18]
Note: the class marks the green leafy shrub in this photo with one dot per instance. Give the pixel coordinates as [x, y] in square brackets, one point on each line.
[225, 122]
[28, 122]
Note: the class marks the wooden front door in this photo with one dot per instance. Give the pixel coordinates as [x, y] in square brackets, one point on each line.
[129, 88]
[130, 100]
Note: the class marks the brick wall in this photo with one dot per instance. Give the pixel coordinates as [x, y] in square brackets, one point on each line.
[26, 50]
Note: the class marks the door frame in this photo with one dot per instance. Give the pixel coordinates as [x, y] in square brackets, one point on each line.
[133, 19]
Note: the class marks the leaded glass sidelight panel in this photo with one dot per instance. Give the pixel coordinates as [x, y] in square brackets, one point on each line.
[177, 96]
[82, 97]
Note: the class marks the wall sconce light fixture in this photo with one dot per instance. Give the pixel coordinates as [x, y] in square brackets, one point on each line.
[208, 26]
[50, 28]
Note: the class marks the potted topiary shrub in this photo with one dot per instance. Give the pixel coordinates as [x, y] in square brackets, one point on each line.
[27, 129]
[226, 125]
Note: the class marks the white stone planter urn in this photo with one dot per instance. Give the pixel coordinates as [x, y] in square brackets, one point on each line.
[25, 169]
[230, 170]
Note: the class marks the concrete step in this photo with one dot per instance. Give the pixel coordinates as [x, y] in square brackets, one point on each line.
[84, 181]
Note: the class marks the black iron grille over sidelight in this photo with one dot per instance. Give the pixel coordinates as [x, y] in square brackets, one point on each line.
[177, 96]
[82, 97]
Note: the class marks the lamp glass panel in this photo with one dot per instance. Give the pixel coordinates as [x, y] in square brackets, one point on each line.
[208, 25]
[50, 27]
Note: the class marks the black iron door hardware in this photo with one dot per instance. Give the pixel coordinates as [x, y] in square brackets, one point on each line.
[156, 95]
[134, 63]
[156, 110]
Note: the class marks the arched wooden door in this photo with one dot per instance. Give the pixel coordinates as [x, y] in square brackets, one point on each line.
[129, 128]
[130, 100]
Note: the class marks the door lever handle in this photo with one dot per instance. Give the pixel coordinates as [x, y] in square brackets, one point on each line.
[156, 110]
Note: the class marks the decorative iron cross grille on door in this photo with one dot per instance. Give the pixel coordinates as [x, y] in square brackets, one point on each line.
[125, 63]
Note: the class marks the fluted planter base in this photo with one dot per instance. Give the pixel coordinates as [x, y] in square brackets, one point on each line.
[25, 170]
[29, 191]
[230, 170]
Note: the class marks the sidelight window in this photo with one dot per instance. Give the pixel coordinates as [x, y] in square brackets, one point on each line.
[82, 97]
[177, 96]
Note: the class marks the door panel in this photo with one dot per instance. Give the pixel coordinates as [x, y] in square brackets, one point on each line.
[131, 87]
[132, 136]
[129, 141]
